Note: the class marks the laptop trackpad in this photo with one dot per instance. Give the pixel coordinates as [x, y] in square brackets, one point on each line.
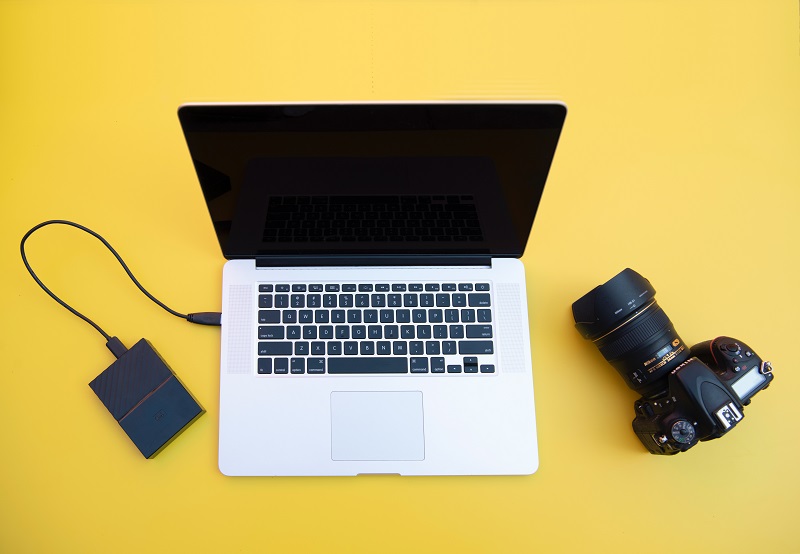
[377, 426]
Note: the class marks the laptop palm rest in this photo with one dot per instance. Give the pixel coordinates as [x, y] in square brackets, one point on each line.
[377, 426]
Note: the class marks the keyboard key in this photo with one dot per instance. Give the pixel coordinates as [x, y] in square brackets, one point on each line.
[353, 316]
[264, 366]
[487, 368]
[431, 287]
[398, 288]
[479, 299]
[289, 316]
[384, 348]
[419, 365]
[306, 316]
[475, 347]
[293, 332]
[485, 316]
[465, 286]
[315, 366]
[298, 288]
[309, 332]
[416, 348]
[482, 286]
[365, 288]
[282, 288]
[349, 288]
[321, 316]
[317, 348]
[443, 300]
[449, 347]
[281, 300]
[367, 365]
[298, 366]
[449, 287]
[334, 348]
[437, 365]
[367, 347]
[265, 288]
[270, 332]
[459, 300]
[432, 348]
[264, 300]
[281, 366]
[370, 316]
[350, 348]
[400, 348]
[453, 368]
[479, 331]
[269, 316]
[456, 331]
[274, 348]
[301, 348]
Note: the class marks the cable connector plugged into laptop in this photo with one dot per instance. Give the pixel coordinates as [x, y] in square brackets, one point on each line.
[205, 318]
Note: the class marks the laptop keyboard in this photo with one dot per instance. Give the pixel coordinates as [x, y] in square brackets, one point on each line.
[375, 328]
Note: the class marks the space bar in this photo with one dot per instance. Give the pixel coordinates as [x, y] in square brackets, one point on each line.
[367, 365]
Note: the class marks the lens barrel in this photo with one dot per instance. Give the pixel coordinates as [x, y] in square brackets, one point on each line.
[632, 332]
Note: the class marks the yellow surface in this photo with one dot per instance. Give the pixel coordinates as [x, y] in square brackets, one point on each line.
[680, 158]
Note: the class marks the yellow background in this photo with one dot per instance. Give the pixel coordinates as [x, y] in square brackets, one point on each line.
[680, 158]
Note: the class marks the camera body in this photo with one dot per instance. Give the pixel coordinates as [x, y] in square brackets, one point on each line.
[688, 394]
[705, 396]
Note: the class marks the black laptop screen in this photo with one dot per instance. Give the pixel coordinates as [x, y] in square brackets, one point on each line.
[362, 179]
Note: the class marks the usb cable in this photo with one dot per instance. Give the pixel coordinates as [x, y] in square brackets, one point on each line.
[113, 343]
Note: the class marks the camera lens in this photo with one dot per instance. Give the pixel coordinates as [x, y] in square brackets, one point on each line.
[632, 332]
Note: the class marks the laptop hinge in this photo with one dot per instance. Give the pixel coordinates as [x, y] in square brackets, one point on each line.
[373, 260]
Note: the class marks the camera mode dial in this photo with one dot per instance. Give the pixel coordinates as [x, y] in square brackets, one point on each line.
[683, 431]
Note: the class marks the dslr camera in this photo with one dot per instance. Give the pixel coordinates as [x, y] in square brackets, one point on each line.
[688, 394]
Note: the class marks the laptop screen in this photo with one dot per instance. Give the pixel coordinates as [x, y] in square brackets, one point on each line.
[311, 180]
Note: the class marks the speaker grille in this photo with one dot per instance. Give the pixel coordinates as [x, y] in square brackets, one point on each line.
[239, 321]
[510, 329]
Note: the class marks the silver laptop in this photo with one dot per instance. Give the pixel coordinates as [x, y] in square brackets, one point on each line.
[374, 311]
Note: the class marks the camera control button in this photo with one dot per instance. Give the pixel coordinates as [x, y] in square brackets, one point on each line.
[732, 347]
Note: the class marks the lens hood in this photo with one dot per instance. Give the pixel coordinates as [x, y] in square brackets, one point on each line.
[609, 305]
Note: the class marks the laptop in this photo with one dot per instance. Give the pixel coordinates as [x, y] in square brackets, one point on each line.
[374, 309]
